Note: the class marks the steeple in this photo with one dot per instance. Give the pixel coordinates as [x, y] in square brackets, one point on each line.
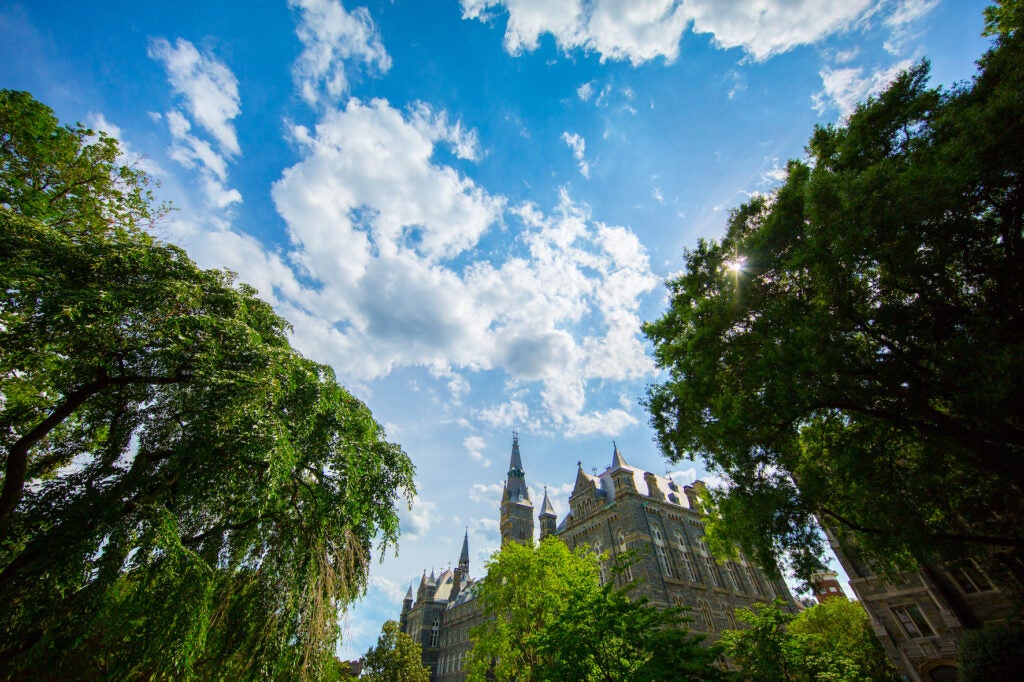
[547, 517]
[515, 484]
[618, 461]
[516, 508]
[464, 557]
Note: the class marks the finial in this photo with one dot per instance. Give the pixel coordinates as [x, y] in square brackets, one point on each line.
[579, 463]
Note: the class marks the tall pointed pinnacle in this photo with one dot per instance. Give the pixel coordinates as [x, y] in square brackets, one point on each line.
[515, 484]
[408, 595]
[618, 461]
[516, 462]
[546, 509]
[464, 557]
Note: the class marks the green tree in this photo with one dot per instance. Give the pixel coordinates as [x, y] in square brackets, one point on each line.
[184, 495]
[840, 644]
[396, 658]
[830, 642]
[852, 349]
[541, 604]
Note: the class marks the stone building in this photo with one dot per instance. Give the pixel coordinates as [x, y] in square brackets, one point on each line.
[623, 509]
[920, 616]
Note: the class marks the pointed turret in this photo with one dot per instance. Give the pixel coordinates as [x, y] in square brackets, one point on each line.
[408, 595]
[516, 508]
[618, 461]
[403, 620]
[547, 517]
[464, 557]
[621, 473]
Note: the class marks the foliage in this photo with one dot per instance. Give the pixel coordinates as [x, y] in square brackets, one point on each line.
[184, 495]
[851, 349]
[832, 641]
[396, 658]
[541, 603]
[992, 653]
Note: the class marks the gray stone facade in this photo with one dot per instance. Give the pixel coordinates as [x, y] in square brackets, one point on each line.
[621, 510]
[920, 616]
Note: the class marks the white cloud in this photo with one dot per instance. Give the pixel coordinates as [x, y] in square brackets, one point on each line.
[764, 28]
[845, 88]
[383, 269]
[642, 30]
[578, 145]
[585, 91]
[389, 588]
[900, 20]
[331, 37]
[486, 492]
[208, 86]
[417, 520]
[475, 446]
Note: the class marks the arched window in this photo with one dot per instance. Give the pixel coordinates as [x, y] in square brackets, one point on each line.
[684, 551]
[659, 549]
[705, 614]
[433, 632]
[601, 564]
[627, 573]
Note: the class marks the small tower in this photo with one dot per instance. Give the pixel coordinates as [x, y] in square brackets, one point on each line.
[622, 475]
[516, 508]
[462, 572]
[403, 621]
[547, 517]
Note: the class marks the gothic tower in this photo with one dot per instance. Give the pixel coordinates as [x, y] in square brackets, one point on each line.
[547, 517]
[516, 508]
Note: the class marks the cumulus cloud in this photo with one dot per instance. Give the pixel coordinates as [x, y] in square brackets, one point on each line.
[578, 145]
[207, 85]
[486, 492]
[642, 30]
[846, 87]
[332, 39]
[390, 238]
[417, 520]
[475, 446]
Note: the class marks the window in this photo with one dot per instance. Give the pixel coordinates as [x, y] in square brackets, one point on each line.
[730, 617]
[602, 564]
[627, 573]
[709, 564]
[659, 549]
[730, 568]
[691, 570]
[970, 578]
[705, 614]
[433, 632]
[913, 621]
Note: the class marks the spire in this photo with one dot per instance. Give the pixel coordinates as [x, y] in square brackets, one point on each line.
[618, 461]
[423, 580]
[546, 509]
[464, 557]
[515, 484]
[408, 595]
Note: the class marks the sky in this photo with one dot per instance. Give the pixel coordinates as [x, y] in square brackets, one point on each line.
[469, 207]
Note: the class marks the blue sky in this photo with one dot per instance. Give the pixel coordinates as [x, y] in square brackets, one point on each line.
[468, 208]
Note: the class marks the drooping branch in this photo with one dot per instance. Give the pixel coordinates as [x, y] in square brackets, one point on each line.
[17, 458]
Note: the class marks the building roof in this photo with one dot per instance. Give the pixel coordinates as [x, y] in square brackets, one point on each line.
[546, 509]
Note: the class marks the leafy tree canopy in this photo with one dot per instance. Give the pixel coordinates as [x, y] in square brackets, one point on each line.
[548, 618]
[396, 658]
[852, 350]
[184, 495]
[832, 641]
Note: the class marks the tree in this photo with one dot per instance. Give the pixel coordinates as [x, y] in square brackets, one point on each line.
[396, 658]
[852, 350]
[840, 644]
[184, 495]
[541, 603]
[830, 641]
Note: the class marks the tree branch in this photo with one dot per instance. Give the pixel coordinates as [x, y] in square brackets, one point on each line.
[17, 458]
